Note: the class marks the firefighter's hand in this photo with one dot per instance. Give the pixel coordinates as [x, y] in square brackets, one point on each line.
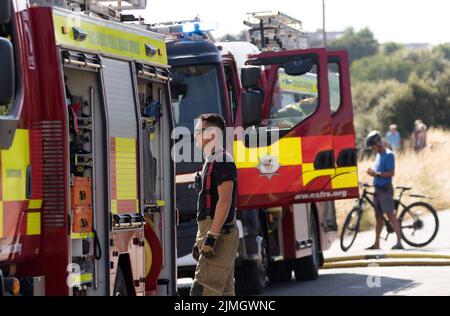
[208, 245]
[195, 252]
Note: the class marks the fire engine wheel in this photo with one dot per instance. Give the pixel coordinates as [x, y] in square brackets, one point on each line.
[307, 268]
[279, 271]
[250, 278]
[251, 275]
[120, 285]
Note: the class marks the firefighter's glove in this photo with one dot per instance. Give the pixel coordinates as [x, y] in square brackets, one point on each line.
[195, 252]
[209, 244]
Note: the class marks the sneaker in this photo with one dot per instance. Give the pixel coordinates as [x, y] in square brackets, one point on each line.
[373, 248]
[398, 246]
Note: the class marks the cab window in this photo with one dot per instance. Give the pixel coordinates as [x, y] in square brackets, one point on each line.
[232, 90]
[6, 31]
[334, 84]
[294, 99]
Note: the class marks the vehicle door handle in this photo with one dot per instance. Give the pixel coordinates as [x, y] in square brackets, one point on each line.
[29, 185]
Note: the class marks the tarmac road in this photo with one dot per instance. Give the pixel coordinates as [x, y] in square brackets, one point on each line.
[376, 281]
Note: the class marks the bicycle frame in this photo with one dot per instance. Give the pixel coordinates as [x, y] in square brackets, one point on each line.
[397, 203]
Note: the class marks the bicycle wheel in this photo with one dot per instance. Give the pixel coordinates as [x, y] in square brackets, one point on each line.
[419, 223]
[350, 229]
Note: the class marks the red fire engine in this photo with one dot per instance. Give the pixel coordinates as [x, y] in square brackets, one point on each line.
[84, 114]
[287, 184]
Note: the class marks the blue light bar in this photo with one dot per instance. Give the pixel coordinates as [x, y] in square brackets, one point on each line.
[198, 27]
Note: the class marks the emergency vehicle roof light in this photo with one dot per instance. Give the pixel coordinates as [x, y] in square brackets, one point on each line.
[197, 27]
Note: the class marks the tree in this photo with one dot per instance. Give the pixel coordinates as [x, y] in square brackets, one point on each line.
[391, 47]
[358, 44]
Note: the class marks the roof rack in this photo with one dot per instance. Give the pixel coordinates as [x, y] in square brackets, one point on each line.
[191, 29]
[273, 30]
[111, 10]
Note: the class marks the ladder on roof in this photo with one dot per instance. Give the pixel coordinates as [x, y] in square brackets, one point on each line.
[273, 30]
[104, 8]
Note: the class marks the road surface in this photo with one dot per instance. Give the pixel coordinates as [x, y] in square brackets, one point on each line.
[376, 281]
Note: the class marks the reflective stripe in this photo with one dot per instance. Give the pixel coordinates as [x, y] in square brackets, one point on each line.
[15, 161]
[81, 235]
[309, 173]
[35, 204]
[161, 203]
[288, 150]
[346, 177]
[126, 172]
[83, 278]
[33, 223]
[107, 37]
[114, 206]
[1, 219]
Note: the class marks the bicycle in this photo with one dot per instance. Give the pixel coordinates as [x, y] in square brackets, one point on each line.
[413, 219]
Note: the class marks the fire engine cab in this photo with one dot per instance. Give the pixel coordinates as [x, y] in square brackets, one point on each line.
[296, 157]
[86, 189]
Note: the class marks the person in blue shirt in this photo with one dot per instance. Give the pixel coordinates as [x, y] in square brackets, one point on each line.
[383, 171]
[393, 137]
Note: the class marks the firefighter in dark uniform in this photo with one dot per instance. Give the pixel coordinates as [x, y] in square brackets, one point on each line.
[217, 236]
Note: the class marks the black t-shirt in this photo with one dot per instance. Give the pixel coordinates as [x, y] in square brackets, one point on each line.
[223, 170]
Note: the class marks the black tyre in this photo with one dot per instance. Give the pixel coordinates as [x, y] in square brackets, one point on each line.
[419, 224]
[350, 229]
[279, 271]
[120, 285]
[307, 268]
[251, 278]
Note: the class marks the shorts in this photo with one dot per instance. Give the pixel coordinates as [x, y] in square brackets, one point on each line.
[384, 199]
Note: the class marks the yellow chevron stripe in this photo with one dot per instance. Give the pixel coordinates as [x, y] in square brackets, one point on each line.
[35, 204]
[15, 161]
[346, 177]
[309, 173]
[33, 223]
[1, 219]
[288, 151]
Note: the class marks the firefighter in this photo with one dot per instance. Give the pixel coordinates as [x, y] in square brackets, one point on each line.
[217, 236]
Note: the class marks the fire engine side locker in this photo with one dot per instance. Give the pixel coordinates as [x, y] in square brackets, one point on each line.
[123, 144]
[87, 80]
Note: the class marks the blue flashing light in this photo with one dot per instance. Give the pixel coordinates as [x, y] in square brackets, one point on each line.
[198, 27]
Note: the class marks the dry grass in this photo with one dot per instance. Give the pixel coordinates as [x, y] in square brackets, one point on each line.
[427, 172]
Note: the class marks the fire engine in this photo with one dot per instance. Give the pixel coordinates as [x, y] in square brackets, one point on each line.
[287, 184]
[86, 189]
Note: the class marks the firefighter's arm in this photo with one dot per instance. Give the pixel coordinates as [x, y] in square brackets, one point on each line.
[225, 191]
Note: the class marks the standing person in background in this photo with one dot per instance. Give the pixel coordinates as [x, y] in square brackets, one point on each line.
[419, 136]
[422, 137]
[393, 137]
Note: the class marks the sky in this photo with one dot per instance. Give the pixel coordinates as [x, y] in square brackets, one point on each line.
[404, 21]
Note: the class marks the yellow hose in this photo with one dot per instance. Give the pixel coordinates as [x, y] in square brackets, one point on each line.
[384, 264]
[349, 261]
[389, 256]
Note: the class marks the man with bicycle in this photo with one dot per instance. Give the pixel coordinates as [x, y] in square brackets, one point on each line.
[383, 171]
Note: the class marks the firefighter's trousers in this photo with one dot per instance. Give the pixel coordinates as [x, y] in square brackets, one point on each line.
[215, 276]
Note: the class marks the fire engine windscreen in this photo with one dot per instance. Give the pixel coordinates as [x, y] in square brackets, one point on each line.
[195, 90]
[294, 99]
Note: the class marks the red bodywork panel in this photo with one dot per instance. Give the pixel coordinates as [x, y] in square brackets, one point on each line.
[315, 132]
[41, 111]
[342, 123]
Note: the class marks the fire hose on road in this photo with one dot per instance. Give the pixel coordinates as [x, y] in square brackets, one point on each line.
[363, 261]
